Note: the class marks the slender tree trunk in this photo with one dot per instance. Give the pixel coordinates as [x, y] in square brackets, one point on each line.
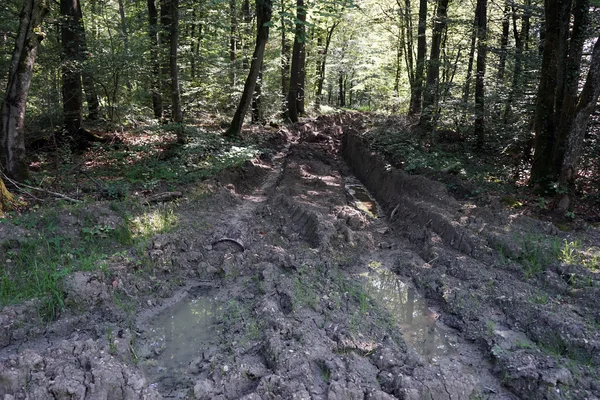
[233, 40]
[520, 40]
[585, 106]
[433, 68]
[12, 131]
[285, 62]
[480, 77]
[504, 40]
[247, 33]
[257, 115]
[469, 78]
[321, 63]
[342, 90]
[176, 113]
[125, 36]
[89, 85]
[157, 106]
[541, 171]
[417, 92]
[264, 10]
[164, 55]
[295, 74]
[71, 67]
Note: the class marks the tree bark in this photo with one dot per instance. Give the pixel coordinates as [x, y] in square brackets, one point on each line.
[157, 106]
[285, 62]
[299, 39]
[469, 78]
[125, 36]
[433, 68]
[71, 67]
[233, 40]
[520, 40]
[321, 63]
[257, 114]
[417, 92]
[89, 86]
[585, 106]
[504, 40]
[12, 130]
[479, 127]
[264, 11]
[176, 114]
[572, 70]
[544, 128]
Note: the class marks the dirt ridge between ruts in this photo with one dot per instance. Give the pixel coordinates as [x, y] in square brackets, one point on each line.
[488, 297]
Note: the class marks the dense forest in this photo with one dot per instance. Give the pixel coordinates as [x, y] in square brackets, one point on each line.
[518, 78]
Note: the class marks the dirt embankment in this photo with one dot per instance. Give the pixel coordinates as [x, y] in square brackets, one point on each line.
[286, 284]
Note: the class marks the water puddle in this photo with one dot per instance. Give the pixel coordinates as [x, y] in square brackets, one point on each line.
[362, 198]
[182, 334]
[418, 323]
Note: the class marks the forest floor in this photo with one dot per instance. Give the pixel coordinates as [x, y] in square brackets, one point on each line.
[317, 270]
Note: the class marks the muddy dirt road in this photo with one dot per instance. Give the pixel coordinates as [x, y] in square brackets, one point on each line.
[319, 273]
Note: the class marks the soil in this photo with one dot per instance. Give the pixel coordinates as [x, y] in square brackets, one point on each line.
[318, 273]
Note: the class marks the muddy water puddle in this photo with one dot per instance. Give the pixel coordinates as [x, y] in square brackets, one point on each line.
[362, 198]
[181, 335]
[417, 322]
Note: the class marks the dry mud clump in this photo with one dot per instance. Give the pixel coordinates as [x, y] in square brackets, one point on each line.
[280, 284]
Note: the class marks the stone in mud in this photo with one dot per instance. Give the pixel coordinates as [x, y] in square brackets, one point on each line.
[85, 288]
[348, 391]
[203, 390]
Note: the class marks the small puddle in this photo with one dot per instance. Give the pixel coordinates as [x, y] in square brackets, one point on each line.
[180, 335]
[417, 322]
[362, 198]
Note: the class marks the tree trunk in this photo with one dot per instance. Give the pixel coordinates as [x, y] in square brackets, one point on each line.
[433, 68]
[585, 106]
[285, 62]
[571, 79]
[504, 40]
[321, 63]
[520, 40]
[12, 130]
[164, 51]
[71, 67]
[233, 40]
[247, 34]
[417, 92]
[480, 77]
[157, 106]
[125, 37]
[295, 74]
[541, 170]
[176, 114]
[257, 115]
[342, 90]
[89, 85]
[264, 10]
[469, 78]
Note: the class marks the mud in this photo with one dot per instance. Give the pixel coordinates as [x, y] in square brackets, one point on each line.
[290, 280]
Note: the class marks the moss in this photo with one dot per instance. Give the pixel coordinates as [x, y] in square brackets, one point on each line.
[7, 200]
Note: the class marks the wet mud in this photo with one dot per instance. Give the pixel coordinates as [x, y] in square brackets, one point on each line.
[321, 273]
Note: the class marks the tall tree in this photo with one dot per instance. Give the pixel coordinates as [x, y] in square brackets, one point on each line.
[233, 41]
[157, 105]
[322, 61]
[504, 40]
[557, 90]
[417, 88]
[176, 114]
[264, 11]
[285, 61]
[12, 130]
[586, 103]
[480, 77]
[433, 67]
[296, 85]
[71, 67]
